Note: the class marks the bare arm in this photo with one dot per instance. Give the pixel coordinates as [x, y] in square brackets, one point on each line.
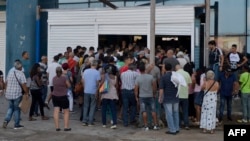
[68, 84]
[161, 96]
[244, 61]
[136, 92]
[154, 88]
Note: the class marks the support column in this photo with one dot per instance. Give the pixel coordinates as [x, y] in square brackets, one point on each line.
[20, 35]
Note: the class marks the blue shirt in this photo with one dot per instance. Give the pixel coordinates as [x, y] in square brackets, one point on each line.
[169, 89]
[26, 67]
[90, 77]
[226, 88]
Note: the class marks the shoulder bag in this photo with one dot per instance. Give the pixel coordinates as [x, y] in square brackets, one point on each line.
[23, 92]
[202, 94]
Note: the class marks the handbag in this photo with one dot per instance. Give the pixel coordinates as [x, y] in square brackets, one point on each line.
[25, 104]
[23, 92]
[104, 88]
[202, 94]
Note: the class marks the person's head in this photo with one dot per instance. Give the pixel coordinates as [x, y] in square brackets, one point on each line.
[18, 64]
[132, 66]
[212, 44]
[168, 67]
[246, 68]
[60, 55]
[56, 58]
[228, 71]
[75, 51]
[142, 67]
[65, 66]
[158, 53]
[178, 67]
[110, 70]
[25, 55]
[170, 53]
[91, 49]
[69, 49]
[44, 59]
[35, 70]
[180, 54]
[128, 59]
[94, 63]
[100, 50]
[66, 55]
[1, 75]
[58, 71]
[210, 75]
[234, 48]
[71, 55]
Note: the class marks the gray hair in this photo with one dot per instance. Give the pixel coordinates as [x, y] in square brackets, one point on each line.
[18, 64]
[210, 75]
[58, 71]
[94, 63]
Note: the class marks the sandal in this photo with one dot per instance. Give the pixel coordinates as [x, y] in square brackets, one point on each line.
[58, 129]
[67, 129]
[32, 119]
[45, 118]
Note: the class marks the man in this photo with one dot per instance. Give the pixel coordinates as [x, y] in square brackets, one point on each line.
[128, 98]
[236, 60]
[51, 73]
[146, 86]
[170, 101]
[64, 58]
[99, 52]
[216, 58]
[25, 63]
[181, 59]
[91, 80]
[127, 60]
[170, 59]
[43, 67]
[91, 51]
[16, 81]
[183, 95]
[228, 85]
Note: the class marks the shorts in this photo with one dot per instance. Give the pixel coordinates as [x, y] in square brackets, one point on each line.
[60, 101]
[147, 103]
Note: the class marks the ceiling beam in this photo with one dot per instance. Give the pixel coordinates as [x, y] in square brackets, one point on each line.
[108, 3]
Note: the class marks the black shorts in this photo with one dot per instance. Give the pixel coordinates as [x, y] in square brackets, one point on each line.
[60, 101]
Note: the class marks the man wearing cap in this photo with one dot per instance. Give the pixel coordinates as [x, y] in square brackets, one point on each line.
[228, 84]
[16, 81]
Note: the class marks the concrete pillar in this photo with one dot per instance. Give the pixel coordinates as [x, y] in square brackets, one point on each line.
[20, 30]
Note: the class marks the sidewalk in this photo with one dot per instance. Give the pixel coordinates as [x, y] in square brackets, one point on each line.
[44, 130]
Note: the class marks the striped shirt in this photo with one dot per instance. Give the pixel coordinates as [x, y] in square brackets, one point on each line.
[14, 90]
[128, 79]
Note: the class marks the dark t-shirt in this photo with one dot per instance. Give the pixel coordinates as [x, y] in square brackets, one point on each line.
[172, 61]
[226, 88]
[214, 56]
[169, 89]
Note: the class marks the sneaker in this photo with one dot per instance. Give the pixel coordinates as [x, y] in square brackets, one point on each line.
[113, 127]
[104, 126]
[146, 128]
[156, 127]
[18, 127]
[111, 122]
[5, 123]
[85, 124]
[187, 128]
[242, 121]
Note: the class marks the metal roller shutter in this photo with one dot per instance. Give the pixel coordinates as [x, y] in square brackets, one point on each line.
[2, 41]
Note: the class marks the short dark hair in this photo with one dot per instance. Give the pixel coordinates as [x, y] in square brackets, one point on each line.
[92, 48]
[56, 58]
[168, 67]
[212, 42]
[142, 67]
[234, 45]
[68, 48]
[24, 52]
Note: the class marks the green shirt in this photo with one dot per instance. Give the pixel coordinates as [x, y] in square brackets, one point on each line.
[183, 91]
[245, 81]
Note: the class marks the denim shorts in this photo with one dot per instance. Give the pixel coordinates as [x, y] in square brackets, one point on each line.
[197, 98]
[147, 102]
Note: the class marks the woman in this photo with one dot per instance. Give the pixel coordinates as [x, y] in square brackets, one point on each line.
[109, 99]
[67, 73]
[35, 90]
[60, 98]
[208, 108]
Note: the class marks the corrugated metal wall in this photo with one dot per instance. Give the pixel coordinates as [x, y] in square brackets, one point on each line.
[71, 28]
[2, 41]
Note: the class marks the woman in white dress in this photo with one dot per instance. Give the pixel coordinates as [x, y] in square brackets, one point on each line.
[208, 109]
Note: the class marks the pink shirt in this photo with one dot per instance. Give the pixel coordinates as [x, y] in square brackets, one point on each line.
[197, 87]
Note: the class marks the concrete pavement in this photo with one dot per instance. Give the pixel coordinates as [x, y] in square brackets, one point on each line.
[44, 130]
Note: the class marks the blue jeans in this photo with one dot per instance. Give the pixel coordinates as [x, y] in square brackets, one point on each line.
[223, 100]
[245, 100]
[184, 107]
[129, 104]
[172, 116]
[89, 108]
[216, 68]
[14, 109]
[112, 106]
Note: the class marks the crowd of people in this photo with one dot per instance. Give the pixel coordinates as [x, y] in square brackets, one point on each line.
[121, 81]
